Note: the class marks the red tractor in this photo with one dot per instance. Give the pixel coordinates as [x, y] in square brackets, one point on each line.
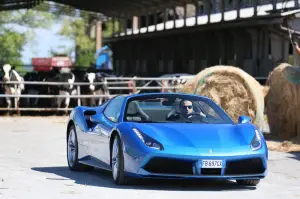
[47, 64]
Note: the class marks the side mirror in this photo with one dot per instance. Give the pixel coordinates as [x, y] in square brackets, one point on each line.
[244, 119]
[95, 118]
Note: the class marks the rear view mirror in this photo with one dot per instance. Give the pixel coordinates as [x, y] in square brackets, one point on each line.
[167, 103]
[244, 119]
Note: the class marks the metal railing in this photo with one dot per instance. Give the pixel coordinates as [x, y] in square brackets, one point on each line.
[106, 88]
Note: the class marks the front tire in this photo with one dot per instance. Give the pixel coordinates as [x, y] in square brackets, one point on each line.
[72, 152]
[248, 182]
[117, 162]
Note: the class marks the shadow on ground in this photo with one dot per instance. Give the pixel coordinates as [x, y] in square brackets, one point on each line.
[296, 155]
[104, 179]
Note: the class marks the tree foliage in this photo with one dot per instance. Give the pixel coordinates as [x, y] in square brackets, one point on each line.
[11, 44]
[78, 29]
[75, 29]
[17, 30]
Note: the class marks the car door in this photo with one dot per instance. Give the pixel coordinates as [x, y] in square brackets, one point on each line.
[103, 130]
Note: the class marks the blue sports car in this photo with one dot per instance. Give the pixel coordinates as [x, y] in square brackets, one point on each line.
[165, 135]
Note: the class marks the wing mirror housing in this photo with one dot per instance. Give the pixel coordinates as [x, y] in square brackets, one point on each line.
[244, 119]
[95, 118]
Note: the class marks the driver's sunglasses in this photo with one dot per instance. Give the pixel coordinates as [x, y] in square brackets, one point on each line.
[189, 107]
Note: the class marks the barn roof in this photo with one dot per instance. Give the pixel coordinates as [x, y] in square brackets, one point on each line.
[107, 7]
[17, 4]
[117, 7]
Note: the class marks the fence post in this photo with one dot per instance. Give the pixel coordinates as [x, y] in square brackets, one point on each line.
[16, 100]
[78, 93]
[134, 85]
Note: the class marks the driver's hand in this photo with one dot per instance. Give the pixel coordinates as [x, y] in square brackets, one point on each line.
[202, 114]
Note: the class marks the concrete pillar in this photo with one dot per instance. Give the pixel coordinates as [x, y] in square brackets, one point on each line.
[276, 47]
[170, 66]
[285, 50]
[255, 42]
[99, 36]
[206, 6]
[266, 62]
[266, 44]
[144, 66]
[137, 65]
[191, 65]
[221, 47]
[295, 25]
[160, 66]
[135, 23]
[215, 6]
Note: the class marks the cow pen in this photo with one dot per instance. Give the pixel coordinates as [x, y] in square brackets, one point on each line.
[128, 82]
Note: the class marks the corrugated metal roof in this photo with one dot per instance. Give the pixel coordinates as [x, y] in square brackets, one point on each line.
[107, 7]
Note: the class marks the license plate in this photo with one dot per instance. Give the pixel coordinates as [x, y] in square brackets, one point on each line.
[211, 164]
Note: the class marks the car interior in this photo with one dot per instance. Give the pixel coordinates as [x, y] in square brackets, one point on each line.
[162, 112]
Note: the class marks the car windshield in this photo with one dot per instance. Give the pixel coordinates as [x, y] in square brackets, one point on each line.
[174, 108]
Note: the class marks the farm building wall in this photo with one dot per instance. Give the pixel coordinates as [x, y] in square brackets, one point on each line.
[255, 49]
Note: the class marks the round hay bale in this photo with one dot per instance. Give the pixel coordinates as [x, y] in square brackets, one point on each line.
[283, 101]
[188, 87]
[265, 90]
[234, 90]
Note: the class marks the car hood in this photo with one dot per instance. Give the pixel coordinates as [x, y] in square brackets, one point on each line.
[199, 135]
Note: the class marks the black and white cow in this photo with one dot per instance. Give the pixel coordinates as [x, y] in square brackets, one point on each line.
[65, 76]
[33, 89]
[91, 77]
[129, 87]
[178, 80]
[10, 89]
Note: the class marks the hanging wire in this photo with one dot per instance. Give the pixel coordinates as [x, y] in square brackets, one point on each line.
[288, 27]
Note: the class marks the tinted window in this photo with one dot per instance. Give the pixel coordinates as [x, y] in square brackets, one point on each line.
[113, 109]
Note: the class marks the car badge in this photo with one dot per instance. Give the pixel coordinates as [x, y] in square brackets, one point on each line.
[210, 150]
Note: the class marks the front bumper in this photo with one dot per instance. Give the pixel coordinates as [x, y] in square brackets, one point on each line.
[157, 165]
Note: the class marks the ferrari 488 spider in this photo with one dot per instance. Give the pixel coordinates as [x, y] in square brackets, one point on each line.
[165, 135]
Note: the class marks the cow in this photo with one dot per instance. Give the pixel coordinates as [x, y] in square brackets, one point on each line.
[178, 80]
[10, 74]
[65, 76]
[129, 87]
[32, 89]
[91, 76]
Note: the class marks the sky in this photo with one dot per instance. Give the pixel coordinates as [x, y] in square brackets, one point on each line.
[45, 39]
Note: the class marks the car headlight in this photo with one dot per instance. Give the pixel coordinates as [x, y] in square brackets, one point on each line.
[148, 141]
[256, 142]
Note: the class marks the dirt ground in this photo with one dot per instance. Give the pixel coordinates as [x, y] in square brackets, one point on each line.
[33, 165]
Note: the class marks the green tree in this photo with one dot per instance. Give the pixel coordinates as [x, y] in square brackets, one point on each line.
[75, 29]
[13, 40]
[76, 26]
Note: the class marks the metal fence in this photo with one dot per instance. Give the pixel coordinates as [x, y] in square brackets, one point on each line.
[108, 85]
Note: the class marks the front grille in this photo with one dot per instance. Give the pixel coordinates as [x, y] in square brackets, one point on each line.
[242, 167]
[169, 166]
[206, 171]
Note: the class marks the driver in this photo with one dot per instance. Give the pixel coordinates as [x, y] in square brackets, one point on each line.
[187, 110]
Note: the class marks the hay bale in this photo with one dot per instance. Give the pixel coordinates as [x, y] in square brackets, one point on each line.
[265, 90]
[188, 87]
[234, 90]
[283, 101]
